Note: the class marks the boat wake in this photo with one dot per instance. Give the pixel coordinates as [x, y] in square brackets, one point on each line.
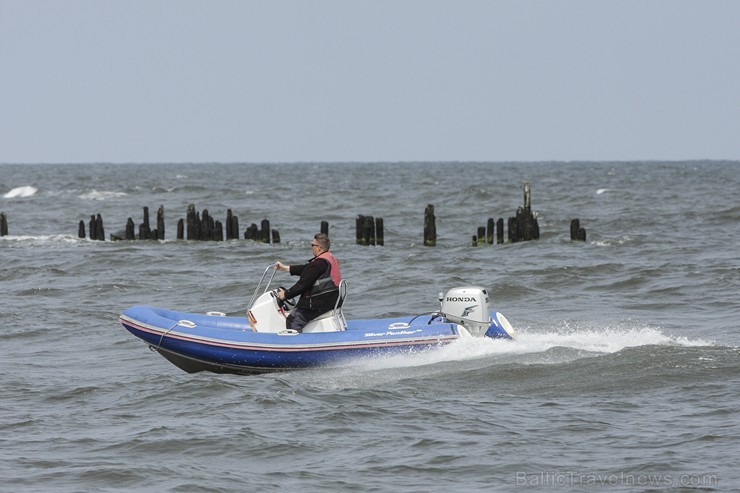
[470, 354]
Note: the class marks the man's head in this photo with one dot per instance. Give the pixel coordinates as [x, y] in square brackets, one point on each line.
[320, 243]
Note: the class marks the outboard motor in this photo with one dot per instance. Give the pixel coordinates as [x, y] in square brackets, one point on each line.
[470, 307]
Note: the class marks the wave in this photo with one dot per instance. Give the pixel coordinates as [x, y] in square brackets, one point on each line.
[25, 240]
[101, 195]
[21, 192]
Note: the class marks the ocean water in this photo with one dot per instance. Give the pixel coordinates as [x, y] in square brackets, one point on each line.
[625, 375]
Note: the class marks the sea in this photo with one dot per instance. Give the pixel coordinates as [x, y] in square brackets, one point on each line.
[625, 375]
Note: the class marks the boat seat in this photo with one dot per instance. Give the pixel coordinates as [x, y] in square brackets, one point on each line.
[334, 318]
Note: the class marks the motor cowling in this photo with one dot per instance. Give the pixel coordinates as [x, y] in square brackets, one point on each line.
[469, 307]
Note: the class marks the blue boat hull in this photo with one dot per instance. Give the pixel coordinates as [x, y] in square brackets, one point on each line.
[201, 342]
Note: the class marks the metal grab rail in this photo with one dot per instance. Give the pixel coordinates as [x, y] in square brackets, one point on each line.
[259, 284]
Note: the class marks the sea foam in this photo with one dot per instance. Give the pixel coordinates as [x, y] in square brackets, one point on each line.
[18, 192]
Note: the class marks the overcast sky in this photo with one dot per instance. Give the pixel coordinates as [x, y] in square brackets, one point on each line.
[399, 80]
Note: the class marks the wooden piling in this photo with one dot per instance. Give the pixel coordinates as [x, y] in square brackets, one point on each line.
[430, 226]
[217, 234]
[325, 228]
[144, 229]
[500, 230]
[91, 228]
[481, 237]
[4, 225]
[359, 233]
[264, 235]
[232, 226]
[180, 229]
[160, 223]
[80, 229]
[251, 232]
[130, 233]
[490, 231]
[513, 230]
[275, 236]
[146, 218]
[99, 229]
[524, 226]
[192, 223]
[475, 241]
[379, 235]
[368, 231]
[577, 233]
[235, 227]
[527, 224]
[96, 230]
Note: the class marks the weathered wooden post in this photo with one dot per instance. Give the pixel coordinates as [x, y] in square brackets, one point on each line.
[475, 241]
[100, 231]
[368, 231]
[235, 227]
[130, 233]
[4, 225]
[513, 230]
[275, 236]
[180, 229]
[500, 230]
[80, 229]
[359, 233]
[379, 239]
[577, 233]
[207, 226]
[231, 221]
[91, 228]
[232, 226]
[251, 232]
[160, 223]
[490, 231]
[144, 229]
[430, 226]
[524, 226]
[218, 232]
[265, 231]
[325, 228]
[481, 235]
[193, 221]
[97, 231]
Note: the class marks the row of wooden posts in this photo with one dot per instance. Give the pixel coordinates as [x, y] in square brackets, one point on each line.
[369, 230]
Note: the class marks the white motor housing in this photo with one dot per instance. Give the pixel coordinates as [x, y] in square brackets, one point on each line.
[469, 307]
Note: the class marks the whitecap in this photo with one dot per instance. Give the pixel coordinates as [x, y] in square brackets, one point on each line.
[603, 190]
[25, 191]
[102, 195]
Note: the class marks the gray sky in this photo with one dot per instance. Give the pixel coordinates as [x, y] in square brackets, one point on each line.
[344, 80]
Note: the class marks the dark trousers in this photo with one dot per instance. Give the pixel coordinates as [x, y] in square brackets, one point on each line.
[299, 317]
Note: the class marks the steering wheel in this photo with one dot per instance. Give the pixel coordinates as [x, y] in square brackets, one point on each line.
[287, 303]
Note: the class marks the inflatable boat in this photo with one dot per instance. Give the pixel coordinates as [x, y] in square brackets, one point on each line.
[259, 342]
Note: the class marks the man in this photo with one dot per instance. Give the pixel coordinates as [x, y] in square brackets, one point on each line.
[318, 284]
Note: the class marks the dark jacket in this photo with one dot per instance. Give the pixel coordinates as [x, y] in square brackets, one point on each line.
[309, 273]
